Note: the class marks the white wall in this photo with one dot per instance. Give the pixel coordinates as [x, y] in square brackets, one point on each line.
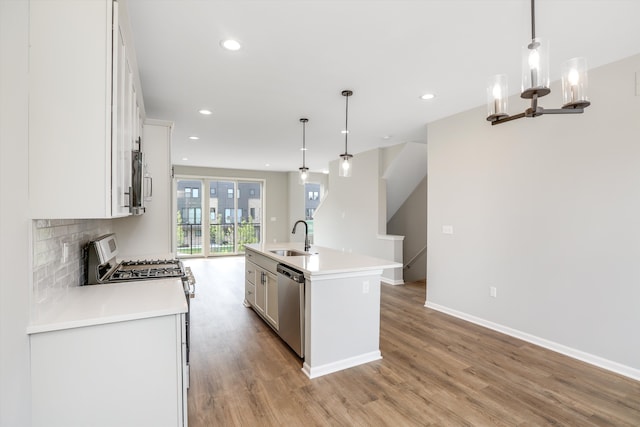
[297, 199]
[547, 210]
[353, 215]
[15, 269]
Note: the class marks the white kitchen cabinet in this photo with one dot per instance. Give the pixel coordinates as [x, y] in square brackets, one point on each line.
[262, 280]
[84, 109]
[250, 284]
[271, 298]
[150, 235]
[129, 373]
[122, 127]
[261, 290]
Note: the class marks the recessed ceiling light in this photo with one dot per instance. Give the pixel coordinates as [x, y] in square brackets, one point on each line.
[205, 112]
[267, 164]
[303, 149]
[344, 131]
[428, 96]
[386, 137]
[184, 158]
[194, 137]
[230, 44]
[325, 171]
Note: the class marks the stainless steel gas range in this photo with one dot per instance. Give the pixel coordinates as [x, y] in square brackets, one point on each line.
[102, 267]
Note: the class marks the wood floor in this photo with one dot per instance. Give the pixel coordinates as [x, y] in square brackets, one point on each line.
[436, 370]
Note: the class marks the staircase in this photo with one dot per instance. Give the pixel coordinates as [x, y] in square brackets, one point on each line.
[403, 175]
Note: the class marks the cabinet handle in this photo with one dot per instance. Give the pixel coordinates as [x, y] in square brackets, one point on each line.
[149, 195]
[129, 199]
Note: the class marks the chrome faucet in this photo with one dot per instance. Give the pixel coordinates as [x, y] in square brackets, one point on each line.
[306, 233]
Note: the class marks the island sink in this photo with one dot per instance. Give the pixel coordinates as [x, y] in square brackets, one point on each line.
[288, 252]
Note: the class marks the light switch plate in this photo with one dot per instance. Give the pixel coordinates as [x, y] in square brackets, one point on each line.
[447, 229]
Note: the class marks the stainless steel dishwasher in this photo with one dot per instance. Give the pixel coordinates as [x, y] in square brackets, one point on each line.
[291, 307]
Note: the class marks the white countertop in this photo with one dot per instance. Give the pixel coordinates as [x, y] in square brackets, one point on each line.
[323, 260]
[108, 303]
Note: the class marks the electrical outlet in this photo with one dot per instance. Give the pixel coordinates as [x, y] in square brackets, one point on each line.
[65, 252]
[365, 287]
[493, 291]
[447, 229]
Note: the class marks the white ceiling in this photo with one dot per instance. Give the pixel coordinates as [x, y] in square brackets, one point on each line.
[298, 55]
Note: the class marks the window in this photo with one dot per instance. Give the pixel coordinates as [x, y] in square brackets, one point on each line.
[309, 213]
[311, 203]
[193, 216]
[213, 218]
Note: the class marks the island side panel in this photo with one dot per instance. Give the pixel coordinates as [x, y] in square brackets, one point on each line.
[342, 321]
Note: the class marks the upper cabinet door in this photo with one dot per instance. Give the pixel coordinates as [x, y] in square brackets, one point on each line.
[79, 160]
[120, 150]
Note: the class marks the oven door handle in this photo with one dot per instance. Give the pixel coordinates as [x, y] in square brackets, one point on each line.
[191, 282]
[192, 289]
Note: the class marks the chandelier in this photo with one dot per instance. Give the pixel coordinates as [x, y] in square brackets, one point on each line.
[535, 83]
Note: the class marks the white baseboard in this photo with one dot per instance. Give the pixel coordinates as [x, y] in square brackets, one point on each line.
[393, 282]
[318, 371]
[603, 363]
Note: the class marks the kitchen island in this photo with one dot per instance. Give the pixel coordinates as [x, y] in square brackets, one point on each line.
[341, 302]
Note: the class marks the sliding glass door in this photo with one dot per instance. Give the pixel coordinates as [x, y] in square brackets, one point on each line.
[234, 216]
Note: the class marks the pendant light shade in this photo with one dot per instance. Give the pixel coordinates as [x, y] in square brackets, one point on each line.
[536, 83]
[304, 170]
[345, 166]
[346, 162]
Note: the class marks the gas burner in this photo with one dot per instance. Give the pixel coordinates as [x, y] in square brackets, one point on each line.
[147, 269]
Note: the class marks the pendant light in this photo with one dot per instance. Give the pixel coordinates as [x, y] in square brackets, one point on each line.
[535, 83]
[346, 159]
[304, 170]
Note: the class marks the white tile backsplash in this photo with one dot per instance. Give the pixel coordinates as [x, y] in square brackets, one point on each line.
[49, 271]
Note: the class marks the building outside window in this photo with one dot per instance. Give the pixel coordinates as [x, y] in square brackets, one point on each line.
[310, 204]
